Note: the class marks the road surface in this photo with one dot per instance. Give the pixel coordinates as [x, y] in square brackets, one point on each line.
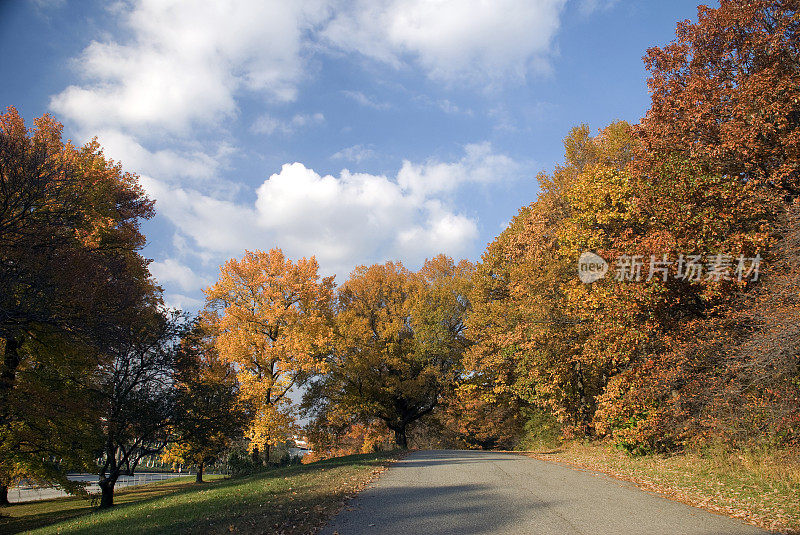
[469, 492]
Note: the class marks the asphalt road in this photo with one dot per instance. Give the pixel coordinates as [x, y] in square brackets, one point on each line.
[469, 492]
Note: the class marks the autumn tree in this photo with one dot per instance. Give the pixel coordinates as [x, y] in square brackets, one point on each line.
[755, 397]
[399, 341]
[208, 416]
[53, 425]
[593, 354]
[726, 94]
[472, 416]
[65, 208]
[715, 168]
[70, 272]
[137, 395]
[274, 325]
[528, 333]
[711, 171]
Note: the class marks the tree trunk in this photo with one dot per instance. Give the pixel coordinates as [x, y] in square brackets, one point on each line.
[583, 409]
[266, 453]
[4, 495]
[256, 456]
[107, 496]
[10, 362]
[199, 478]
[8, 375]
[400, 438]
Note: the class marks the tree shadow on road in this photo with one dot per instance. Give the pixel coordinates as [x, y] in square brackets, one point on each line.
[451, 457]
[467, 509]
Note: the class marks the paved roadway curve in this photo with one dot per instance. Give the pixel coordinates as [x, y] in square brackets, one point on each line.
[469, 492]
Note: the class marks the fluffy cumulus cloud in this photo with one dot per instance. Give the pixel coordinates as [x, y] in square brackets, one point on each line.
[184, 63]
[158, 90]
[173, 271]
[450, 39]
[442, 231]
[360, 217]
[344, 220]
[168, 163]
[479, 166]
[216, 226]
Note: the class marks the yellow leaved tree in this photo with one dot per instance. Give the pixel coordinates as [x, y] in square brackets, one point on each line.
[273, 323]
[399, 342]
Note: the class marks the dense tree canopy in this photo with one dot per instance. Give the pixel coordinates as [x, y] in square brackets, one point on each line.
[271, 319]
[692, 199]
[70, 276]
[399, 338]
[208, 414]
[725, 93]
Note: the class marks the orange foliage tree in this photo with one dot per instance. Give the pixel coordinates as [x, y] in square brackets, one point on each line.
[399, 341]
[608, 357]
[530, 325]
[273, 323]
[726, 93]
[70, 276]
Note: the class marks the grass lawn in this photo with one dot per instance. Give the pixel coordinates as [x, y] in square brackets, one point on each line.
[762, 488]
[289, 500]
[30, 515]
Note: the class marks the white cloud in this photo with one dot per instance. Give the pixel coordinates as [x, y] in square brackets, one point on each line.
[338, 219]
[185, 63]
[171, 270]
[168, 164]
[366, 100]
[215, 225]
[355, 153]
[182, 64]
[177, 70]
[588, 7]
[266, 124]
[480, 165]
[344, 221]
[442, 232]
[450, 39]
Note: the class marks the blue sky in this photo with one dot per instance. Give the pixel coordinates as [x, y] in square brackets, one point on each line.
[356, 131]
